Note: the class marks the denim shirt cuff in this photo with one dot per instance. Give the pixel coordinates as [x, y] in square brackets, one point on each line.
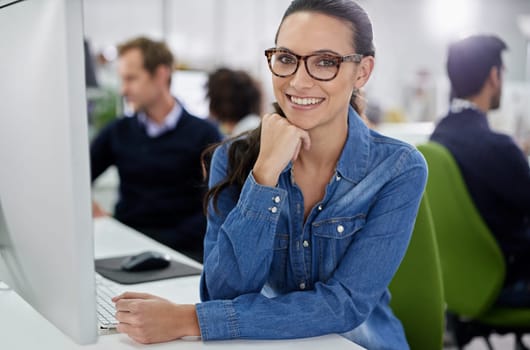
[218, 320]
[262, 201]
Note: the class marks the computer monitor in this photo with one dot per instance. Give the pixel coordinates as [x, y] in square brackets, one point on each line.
[46, 232]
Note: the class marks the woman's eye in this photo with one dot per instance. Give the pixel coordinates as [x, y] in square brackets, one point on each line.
[327, 62]
[286, 59]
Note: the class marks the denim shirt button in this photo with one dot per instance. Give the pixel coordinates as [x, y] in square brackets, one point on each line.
[338, 177]
[273, 210]
[340, 229]
[276, 199]
[305, 244]
[320, 207]
[302, 285]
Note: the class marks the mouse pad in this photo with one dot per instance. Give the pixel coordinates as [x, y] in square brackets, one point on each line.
[110, 268]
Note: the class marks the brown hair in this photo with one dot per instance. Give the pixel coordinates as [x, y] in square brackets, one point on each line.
[154, 53]
[233, 95]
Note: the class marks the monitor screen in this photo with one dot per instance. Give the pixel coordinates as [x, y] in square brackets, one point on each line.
[46, 233]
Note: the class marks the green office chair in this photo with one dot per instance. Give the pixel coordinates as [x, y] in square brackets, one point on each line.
[473, 267]
[417, 292]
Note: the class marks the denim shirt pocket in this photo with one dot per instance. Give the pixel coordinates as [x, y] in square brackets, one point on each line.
[331, 239]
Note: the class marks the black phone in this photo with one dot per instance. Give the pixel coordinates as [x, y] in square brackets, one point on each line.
[277, 109]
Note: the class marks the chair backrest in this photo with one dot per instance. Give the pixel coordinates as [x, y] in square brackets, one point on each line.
[417, 292]
[473, 266]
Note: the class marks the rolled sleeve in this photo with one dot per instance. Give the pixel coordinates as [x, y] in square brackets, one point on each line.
[218, 320]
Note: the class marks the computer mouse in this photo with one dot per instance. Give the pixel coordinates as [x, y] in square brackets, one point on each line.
[145, 261]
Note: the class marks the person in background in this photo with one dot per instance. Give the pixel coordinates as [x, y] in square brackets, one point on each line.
[235, 100]
[156, 152]
[494, 169]
[309, 215]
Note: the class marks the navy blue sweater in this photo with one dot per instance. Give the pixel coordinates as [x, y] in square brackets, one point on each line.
[496, 173]
[161, 181]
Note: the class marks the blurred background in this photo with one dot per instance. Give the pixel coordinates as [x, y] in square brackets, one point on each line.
[411, 37]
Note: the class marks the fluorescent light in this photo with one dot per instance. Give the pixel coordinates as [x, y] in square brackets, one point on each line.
[451, 19]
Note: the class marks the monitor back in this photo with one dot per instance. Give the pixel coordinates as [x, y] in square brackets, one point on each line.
[46, 235]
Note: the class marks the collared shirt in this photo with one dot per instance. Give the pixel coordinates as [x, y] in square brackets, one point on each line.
[459, 104]
[171, 120]
[267, 274]
[161, 179]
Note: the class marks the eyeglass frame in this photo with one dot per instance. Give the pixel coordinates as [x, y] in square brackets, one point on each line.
[355, 58]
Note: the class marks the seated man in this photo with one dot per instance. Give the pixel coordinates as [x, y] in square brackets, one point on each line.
[493, 167]
[156, 151]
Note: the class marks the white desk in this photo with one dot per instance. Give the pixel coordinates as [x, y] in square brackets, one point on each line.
[413, 133]
[23, 328]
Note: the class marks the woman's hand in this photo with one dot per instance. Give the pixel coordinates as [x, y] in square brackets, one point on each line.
[150, 319]
[281, 142]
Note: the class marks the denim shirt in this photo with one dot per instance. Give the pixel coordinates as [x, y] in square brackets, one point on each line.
[269, 275]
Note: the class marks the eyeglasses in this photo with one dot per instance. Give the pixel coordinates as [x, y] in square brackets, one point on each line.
[320, 66]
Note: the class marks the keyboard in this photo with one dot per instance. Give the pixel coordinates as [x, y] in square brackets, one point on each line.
[105, 307]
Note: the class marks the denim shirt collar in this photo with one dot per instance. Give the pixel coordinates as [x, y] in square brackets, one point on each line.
[353, 161]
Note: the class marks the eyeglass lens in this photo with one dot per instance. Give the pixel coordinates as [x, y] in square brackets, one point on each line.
[319, 66]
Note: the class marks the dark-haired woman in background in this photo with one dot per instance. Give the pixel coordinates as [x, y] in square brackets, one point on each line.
[235, 100]
[310, 215]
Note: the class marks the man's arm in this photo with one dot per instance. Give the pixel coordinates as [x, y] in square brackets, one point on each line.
[101, 157]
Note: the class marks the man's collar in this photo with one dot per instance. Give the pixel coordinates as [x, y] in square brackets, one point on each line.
[170, 121]
[459, 104]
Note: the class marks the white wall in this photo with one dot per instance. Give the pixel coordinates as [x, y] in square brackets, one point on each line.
[203, 33]
[207, 33]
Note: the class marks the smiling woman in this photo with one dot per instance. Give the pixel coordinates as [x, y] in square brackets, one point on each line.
[309, 215]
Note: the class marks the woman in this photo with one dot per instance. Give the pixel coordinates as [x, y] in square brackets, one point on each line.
[310, 215]
[235, 101]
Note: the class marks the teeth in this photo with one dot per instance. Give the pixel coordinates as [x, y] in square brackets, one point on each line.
[305, 101]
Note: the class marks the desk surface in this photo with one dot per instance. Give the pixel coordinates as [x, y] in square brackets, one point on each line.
[23, 328]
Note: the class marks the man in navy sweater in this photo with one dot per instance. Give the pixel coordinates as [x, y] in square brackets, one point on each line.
[494, 169]
[156, 151]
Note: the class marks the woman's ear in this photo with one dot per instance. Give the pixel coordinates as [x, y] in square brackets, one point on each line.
[364, 70]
